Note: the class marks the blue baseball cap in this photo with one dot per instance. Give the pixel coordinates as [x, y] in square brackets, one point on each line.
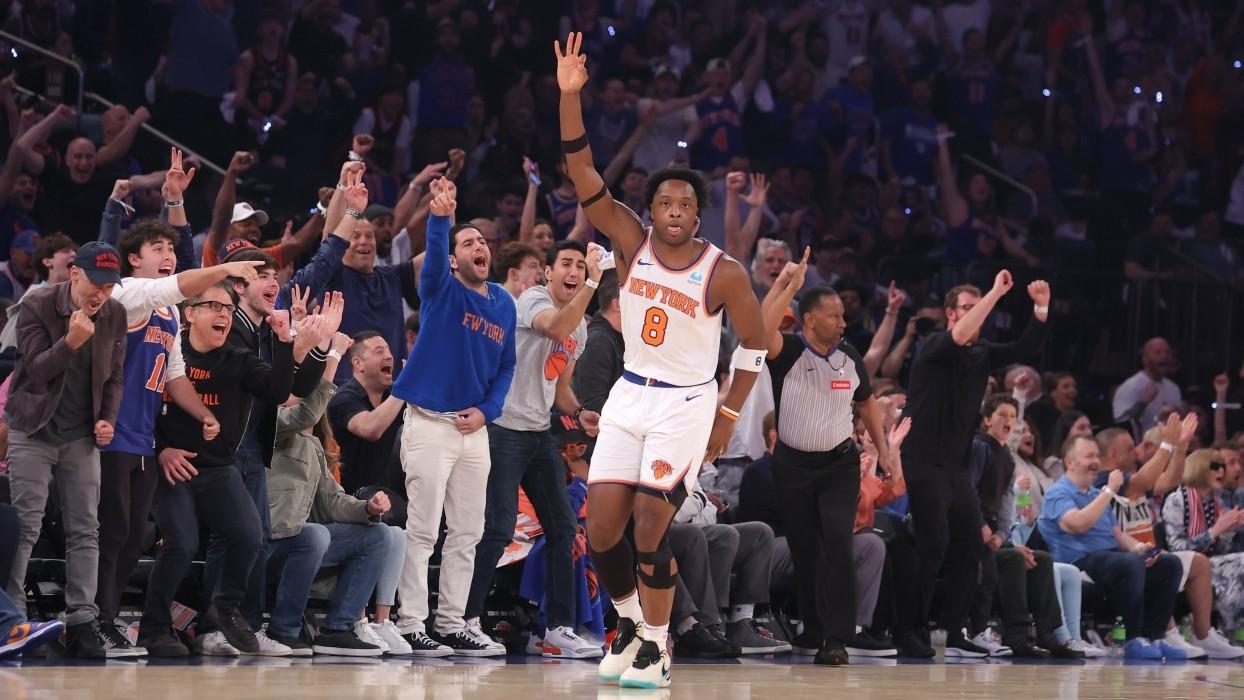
[25, 241]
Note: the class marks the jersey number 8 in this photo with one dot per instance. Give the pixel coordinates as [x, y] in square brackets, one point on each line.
[655, 321]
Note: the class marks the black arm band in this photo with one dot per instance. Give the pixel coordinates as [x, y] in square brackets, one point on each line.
[575, 145]
[604, 190]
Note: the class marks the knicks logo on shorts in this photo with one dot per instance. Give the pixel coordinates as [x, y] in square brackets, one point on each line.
[661, 469]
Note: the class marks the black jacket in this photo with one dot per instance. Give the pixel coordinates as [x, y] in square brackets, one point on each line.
[599, 366]
[260, 340]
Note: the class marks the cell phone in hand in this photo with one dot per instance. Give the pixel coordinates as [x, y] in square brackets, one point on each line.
[534, 175]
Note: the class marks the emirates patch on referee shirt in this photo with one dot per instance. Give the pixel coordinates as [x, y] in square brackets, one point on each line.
[840, 385]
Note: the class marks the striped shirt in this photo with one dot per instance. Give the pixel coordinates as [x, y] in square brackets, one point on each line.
[814, 393]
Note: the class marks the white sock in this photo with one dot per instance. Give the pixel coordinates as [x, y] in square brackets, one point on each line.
[858, 629]
[742, 611]
[656, 633]
[629, 608]
[686, 625]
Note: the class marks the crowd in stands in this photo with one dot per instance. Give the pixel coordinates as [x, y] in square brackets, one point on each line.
[217, 353]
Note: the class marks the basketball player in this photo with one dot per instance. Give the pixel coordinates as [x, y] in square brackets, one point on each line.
[661, 419]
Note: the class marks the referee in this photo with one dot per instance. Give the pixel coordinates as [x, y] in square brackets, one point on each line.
[816, 467]
[948, 378]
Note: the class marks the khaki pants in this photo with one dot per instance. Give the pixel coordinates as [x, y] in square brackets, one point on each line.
[447, 472]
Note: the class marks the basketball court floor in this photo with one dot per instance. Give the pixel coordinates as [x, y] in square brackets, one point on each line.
[334, 678]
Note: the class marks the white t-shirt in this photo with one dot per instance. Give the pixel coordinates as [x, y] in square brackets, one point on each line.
[538, 364]
[847, 28]
[1129, 393]
[748, 439]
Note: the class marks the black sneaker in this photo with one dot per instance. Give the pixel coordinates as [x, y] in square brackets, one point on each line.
[1026, 650]
[163, 646]
[116, 642]
[865, 645]
[912, 645]
[720, 635]
[423, 645]
[82, 641]
[464, 644]
[295, 644]
[700, 643]
[1062, 651]
[834, 653]
[805, 645]
[343, 643]
[958, 646]
[235, 628]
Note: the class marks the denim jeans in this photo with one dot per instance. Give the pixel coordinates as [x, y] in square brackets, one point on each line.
[391, 572]
[359, 549]
[250, 464]
[530, 460]
[1069, 588]
[1143, 595]
[216, 497]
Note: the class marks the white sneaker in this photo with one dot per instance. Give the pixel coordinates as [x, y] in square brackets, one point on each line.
[392, 637]
[269, 646]
[1217, 646]
[1089, 651]
[476, 632]
[366, 634]
[621, 652]
[650, 670]
[535, 645]
[214, 644]
[563, 643]
[988, 639]
[1176, 640]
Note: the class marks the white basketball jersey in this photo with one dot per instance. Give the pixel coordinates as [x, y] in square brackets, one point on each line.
[670, 333]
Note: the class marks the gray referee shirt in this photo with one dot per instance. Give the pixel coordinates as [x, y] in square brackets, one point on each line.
[814, 393]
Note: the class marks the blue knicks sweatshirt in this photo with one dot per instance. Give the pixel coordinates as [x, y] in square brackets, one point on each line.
[464, 355]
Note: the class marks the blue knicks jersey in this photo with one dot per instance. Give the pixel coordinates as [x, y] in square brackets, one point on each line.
[146, 364]
[722, 133]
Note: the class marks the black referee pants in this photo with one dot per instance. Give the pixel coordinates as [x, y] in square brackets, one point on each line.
[944, 520]
[819, 492]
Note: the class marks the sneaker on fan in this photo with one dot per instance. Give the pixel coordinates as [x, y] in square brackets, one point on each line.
[563, 643]
[1217, 646]
[476, 631]
[392, 638]
[989, 640]
[1175, 641]
[269, 646]
[535, 644]
[368, 635]
[214, 644]
[116, 642]
[1089, 651]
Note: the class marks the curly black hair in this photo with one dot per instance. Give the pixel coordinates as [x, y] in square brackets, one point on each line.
[687, 175]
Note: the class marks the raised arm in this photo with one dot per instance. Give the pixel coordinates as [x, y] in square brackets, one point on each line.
[968, 326]
[612, 218]
[954, 203]
[880, 344]
[893, 363]
[1173, 475]
[527, 223]
[222, 210]
[777, 301]
[39, 133]
[623, 157]
[1105, 104]
[1029, 343]
[1221, 383]
[740, 239]
[434, 273]
[1145, 478]
[117, 148]
[557, 324]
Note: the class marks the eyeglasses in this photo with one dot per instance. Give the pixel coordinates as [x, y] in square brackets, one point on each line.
[215, 306]
[1217, 466]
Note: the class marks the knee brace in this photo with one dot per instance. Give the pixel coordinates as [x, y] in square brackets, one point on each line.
[661, 560]
[615, 566]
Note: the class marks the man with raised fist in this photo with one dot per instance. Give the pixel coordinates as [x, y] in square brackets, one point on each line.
[948, 378]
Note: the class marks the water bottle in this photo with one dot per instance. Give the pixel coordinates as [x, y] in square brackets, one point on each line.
[1239, 630]
[1118, 637]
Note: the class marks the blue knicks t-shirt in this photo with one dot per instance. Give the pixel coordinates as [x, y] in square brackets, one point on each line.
[913, 143]
[464, 355]
[146, 358]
